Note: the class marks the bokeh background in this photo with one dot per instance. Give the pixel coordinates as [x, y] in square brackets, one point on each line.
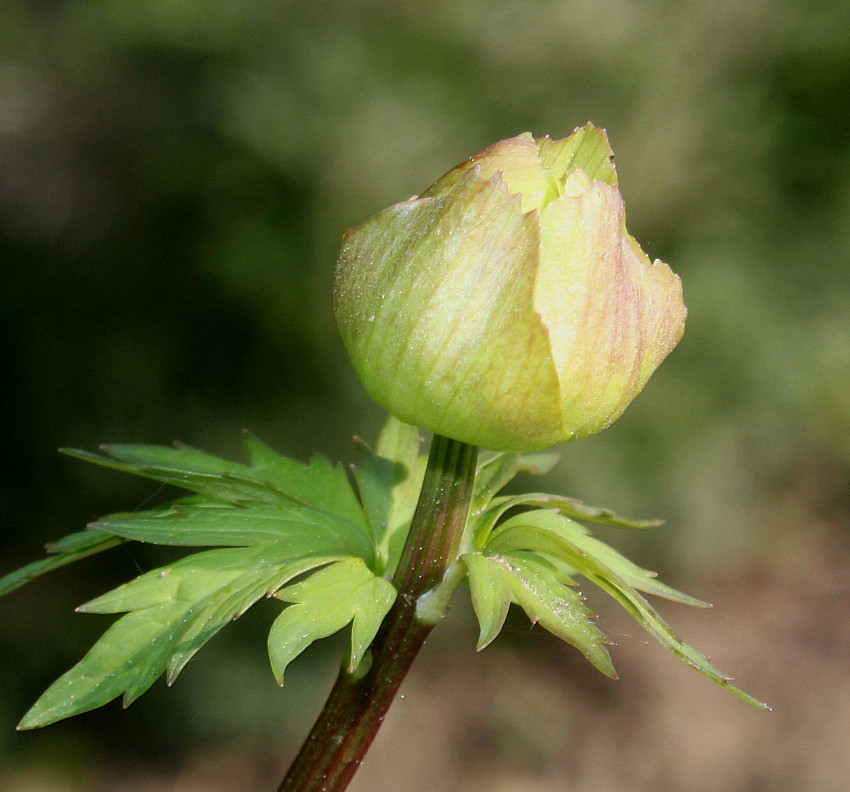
[174, 180]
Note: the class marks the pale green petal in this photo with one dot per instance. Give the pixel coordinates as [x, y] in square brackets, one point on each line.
[434, 303]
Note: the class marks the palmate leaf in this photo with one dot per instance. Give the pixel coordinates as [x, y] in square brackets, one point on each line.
[174, 611]
[269, 478]
[276, 519]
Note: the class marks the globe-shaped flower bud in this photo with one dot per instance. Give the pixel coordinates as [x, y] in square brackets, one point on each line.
[507, 306]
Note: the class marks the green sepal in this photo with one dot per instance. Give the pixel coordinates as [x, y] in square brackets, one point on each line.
[342, 593]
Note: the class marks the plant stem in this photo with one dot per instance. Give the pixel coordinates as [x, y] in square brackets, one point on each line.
[358, 703]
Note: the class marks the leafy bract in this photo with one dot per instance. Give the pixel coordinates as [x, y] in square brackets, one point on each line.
[553, 536]
[275, 520]
[301, 533]
[344, 592]
[525, 578]
[388, 481]
[72, 548]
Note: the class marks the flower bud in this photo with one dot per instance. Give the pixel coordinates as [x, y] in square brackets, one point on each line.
[507, 306]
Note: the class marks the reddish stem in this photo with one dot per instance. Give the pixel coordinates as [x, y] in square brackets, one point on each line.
[356, 706]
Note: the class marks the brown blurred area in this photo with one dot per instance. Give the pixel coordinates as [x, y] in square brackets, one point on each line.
[174, 180]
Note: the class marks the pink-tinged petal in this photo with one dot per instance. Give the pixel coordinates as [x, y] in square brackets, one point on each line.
[612, 317]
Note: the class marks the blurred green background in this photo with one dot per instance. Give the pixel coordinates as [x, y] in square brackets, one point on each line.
[174, 180]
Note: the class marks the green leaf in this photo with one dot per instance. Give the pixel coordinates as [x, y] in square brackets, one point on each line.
[276, 520]
[188, 580]
[72, 548]
[270, 479]
[635, 576]
[197, 525]
[570, 507]
[319, 483]
[483, 520]
[388, 480]
[560, 537]
[164, 464]
[82, 542]
[496, 579]
[126, 660]
[495, 470]
[538, 463]
[231, 601]
[222, 584]
[646, 615]
[174, 611]
[327, 601]
[551, 533]
[279, 520]
[490, 593]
